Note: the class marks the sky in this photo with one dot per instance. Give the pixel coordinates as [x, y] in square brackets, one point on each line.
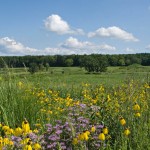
[64, 27]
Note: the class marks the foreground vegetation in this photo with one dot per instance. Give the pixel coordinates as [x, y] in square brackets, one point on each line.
[65, 108]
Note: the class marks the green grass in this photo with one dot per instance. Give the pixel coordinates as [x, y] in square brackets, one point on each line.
[19, 103]
[72, 75]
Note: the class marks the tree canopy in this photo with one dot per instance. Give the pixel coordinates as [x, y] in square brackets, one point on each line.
[93, 62]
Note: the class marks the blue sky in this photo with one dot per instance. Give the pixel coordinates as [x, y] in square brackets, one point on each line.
[49, 27]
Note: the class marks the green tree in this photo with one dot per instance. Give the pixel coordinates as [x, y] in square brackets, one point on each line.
[121, 62]
[41, 67]
[33, 67]
[94, 64]
[127, 62]
[68, 62]
[47, 66]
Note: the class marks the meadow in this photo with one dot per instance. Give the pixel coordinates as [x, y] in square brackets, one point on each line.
[67, 108]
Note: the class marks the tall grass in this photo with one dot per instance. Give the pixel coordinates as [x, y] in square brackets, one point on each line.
[44, 97]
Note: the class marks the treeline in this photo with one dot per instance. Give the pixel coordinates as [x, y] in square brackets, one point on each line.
[76, 60]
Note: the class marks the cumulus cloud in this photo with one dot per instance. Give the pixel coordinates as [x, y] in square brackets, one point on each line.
[75, 44]
[10, 47]
[58, 51]
[115, 32]
[148, 47]
[129, 50]
[56, 24]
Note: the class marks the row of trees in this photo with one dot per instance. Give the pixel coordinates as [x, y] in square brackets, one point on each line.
[92, 63]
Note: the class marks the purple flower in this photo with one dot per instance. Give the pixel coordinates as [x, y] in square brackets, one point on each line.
[16, 139]
[82, 125]
[68, 129]
[58, 121]
[83, 105]
[63, 147]
[100, 126]
[97, 145]
[49, 125]
[33, 136]
[53, 137]
[58, 132]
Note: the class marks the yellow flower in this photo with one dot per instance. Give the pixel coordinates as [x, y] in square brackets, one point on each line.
[122, 121]
[25, 141]
[27, 147]
[81, 136]
[5, 128]
[18, 131]
[37, 146]
[6, 141]
[97, 114]
[38, 125]
[75, 141]
[25, 126]
[136, 107]
[108, 98]
[20, 84]
[137, 114]
[93, 129]
[126, 132]
[1, 144]
[35, 131]
[11, 143]
[101, 136]
[9, 131]
[85, 134]
[105, 130]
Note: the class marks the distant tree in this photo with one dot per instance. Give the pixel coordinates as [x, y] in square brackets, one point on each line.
[113, 60]
[94, 64]
[127, 62]
[68, 62]
[2, 63]
[146, 61]
[47, 66]
[33, 67]
[41, 67]
[60, 61]
[121, 62]
[135, 60]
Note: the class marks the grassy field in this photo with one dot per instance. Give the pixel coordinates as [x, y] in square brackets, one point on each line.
[76, 75]
[68, 108]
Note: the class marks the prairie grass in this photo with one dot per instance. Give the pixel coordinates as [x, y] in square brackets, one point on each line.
[62, 95]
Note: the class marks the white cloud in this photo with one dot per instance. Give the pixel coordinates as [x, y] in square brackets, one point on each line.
[115, 32]
[129, 50]
[56, 24]
[10, 47]
[58, 51]
[148, 47]
[88, 47]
